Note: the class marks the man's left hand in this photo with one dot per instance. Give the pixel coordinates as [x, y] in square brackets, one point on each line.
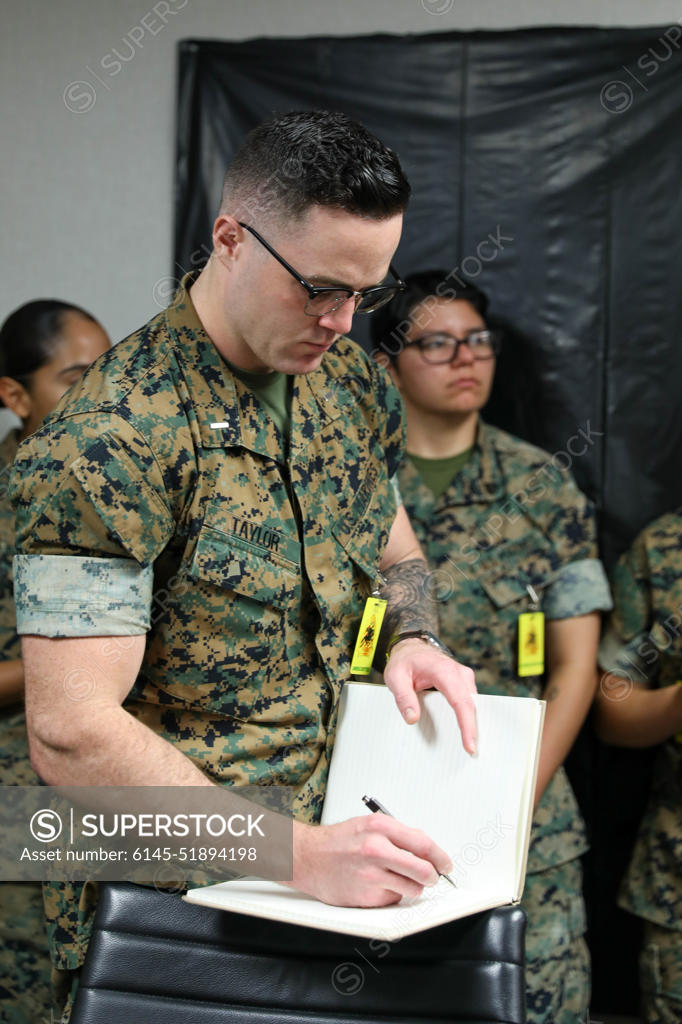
[413, 666]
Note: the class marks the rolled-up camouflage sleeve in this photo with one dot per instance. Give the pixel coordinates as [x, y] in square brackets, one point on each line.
[92, 516]
[66, 595]
[579, 588]
[579, 585]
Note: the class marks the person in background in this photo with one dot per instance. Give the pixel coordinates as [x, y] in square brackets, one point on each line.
[639, 704]
[45, 346]
[511, 540]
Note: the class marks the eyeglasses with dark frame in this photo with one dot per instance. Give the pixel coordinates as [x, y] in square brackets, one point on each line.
[440, 348]
[325, 299]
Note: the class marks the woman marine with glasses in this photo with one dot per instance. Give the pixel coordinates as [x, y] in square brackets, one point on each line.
[512, 543]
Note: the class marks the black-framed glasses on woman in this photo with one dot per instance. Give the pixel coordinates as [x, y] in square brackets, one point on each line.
[325, 299]
[443, 348]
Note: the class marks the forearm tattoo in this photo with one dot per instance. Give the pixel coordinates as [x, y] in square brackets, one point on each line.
[408, 588]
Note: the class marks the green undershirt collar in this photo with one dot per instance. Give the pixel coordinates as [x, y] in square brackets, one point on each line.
[273, 391]
[438, 474]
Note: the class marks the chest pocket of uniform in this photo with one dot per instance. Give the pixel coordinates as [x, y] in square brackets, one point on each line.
[240, 594]
[510, 567]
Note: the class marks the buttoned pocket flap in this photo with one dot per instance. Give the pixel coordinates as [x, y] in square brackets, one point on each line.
[516, 566]
[233, 564]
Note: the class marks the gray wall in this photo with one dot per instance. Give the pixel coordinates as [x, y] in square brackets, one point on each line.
[87, 139]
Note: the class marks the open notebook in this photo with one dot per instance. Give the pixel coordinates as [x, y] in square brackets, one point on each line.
[478, 809]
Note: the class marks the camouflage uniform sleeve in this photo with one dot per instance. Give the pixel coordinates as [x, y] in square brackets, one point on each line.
[572, 525]
[579, 588]
[9, 646]
[580, 585]
[92, 515]
[625, 646]
[71, 595]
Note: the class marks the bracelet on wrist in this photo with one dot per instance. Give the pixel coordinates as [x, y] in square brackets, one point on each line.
[418, 634]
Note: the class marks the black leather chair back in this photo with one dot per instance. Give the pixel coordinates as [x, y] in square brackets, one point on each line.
[155, 959]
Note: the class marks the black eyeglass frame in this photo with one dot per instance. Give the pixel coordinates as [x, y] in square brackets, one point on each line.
[495, 338]
[388, 291]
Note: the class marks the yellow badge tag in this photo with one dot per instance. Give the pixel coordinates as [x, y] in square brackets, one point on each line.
[531, 643]
[368, 636]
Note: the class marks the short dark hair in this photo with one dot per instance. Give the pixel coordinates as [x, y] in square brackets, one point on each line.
[391, 322]
[313, 157]
[29, 335]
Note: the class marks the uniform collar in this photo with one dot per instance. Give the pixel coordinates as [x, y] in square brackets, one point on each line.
[319, 398]
[227, 412]
[211, 388]
[479, 481]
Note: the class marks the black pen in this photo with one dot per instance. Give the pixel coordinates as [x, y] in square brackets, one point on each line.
[375, 806]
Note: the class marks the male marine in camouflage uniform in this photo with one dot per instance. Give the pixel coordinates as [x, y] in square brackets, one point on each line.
[507, 532]
[639, 704]
[225, 458]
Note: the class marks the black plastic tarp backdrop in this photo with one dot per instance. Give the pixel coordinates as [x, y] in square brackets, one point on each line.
[547, 166]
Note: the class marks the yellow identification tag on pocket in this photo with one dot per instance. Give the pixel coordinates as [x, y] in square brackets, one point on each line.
[531, 643]
[368, 636]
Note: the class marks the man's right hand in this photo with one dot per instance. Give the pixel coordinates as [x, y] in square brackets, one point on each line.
[369, 861]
